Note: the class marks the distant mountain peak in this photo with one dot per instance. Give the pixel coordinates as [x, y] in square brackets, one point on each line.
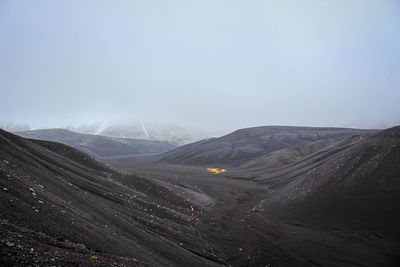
[98, 145]
[172, 133]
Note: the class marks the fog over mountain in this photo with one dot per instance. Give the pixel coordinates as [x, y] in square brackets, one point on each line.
[213, 65]
[97, 145]
[173, 133]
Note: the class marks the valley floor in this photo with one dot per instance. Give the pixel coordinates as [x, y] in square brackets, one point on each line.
[235, 230]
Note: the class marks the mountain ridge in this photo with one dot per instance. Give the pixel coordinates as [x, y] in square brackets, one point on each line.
[246, 144]
[59, 205]
[97, 145]
[353, 182]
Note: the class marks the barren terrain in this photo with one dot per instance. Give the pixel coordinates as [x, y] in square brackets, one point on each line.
[324, 202]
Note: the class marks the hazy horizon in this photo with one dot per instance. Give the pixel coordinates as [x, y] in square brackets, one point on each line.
[212, 65]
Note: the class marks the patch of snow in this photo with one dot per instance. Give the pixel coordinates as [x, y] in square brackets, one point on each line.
[145, 131]
[101, 128]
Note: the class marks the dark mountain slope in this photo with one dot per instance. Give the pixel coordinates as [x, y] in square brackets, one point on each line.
[280, 204]
[354, 183]
[97, 145]
[284, 157]
[60, 207]
[250, 143]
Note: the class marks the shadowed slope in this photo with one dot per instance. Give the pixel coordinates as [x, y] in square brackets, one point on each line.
[320, 204]
[97, 145]
[67, 206]
[250, 143]
[354, 183]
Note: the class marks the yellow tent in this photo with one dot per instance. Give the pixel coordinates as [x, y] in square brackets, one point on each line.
[216, 170]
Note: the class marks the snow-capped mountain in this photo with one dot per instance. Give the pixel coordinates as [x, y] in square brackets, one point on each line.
[173, 133]
[14, 127]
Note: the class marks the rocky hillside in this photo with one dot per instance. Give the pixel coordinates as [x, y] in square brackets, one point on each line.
[61, 207]
[97, 145]
[248, 144]
[354, 183]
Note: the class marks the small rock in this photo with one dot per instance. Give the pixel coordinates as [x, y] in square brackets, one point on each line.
[81, 246]
[5, 189]
[10, 244]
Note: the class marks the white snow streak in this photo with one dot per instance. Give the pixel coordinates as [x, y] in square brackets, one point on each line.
[101, 128]
[144, 130]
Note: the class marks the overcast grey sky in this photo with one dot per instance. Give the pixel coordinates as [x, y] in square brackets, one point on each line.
[215, 64]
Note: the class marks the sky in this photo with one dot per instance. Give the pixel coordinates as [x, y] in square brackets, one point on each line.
[218, 64]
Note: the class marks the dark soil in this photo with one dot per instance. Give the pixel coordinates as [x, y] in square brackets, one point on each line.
[330, 204]
[140, 212]
[52, 190]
